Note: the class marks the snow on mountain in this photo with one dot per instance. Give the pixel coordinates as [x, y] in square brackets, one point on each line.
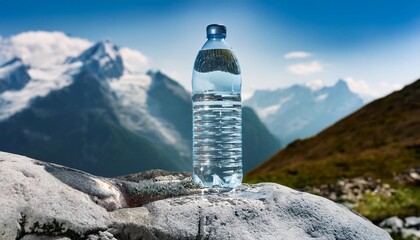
[54, 59]
[42, 82]
[131, 91]
[44, 54]
[13, 75]
[302, 111]
[271, 109]
[134, 61]
[103, 59]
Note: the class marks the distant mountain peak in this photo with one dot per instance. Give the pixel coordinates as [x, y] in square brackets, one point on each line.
[100, 50]
[154, 72]
[341, 84]
[14, 61]
[300, 111]
[103, 59]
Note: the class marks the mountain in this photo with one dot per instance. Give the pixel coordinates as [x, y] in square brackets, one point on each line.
[98, 107]
[76, 126]
[300, 112]
[255, 133]
[13, 75]
[380, 140]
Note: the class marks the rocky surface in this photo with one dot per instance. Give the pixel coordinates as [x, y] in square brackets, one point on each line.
[407, 228]
[409, 177]
[46, 201]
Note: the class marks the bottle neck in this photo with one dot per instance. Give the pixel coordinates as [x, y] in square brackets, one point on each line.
[216, 42]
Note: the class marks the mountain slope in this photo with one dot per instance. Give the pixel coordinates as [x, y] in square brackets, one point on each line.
[13, 75]
[258, 142]
[379, 140]
[300, 112]
[76, 127]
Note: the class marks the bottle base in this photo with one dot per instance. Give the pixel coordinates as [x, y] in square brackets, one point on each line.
[235, 181]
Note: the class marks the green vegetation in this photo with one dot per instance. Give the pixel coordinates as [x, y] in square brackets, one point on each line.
[380, 163]
[399, 237]
[405, 202]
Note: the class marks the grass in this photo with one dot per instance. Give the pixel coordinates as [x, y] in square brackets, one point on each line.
[405, 202]
[381, 163]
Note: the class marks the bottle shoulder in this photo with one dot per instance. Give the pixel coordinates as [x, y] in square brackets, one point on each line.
[214, 43]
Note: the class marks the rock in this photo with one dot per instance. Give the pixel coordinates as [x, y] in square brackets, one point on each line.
[410, 177]
[46, 201]
[409, 228]
[411, 234]
[412, 222]
[393, 223]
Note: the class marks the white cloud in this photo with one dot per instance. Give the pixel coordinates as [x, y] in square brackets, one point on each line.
[315, 85]
[297, 54]
[305, 68]
[390, 87]
[42, 49]
[134, 61]
[360, 87]
[246, 95]
[364, 89]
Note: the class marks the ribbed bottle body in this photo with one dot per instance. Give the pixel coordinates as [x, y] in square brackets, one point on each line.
[217, 117]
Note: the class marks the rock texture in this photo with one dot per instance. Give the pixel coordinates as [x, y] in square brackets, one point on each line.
[408, 228]
[46, 201]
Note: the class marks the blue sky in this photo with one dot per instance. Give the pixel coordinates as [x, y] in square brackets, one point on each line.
[373, 45]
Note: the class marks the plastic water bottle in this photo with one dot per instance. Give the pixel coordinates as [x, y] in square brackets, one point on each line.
[217, 113]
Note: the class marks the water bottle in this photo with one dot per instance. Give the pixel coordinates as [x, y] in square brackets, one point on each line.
[217, 113]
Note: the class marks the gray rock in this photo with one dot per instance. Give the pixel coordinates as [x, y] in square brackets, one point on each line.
[409, 228]
[412, 222]
[408, 233]
[55, 202]
[393, 223]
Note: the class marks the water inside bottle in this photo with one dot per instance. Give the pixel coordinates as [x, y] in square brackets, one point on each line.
[217, 140]
[217, 117]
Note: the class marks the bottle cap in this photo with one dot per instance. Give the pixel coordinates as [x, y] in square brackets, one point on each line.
[216, 30]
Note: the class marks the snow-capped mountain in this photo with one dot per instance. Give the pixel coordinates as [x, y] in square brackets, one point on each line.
[98, 107]
[301, 111]
[14, 75]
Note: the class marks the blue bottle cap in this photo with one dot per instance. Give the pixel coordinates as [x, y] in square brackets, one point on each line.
[216, 30]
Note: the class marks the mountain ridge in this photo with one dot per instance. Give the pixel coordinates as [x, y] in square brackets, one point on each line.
[299, 111]
[383, 133]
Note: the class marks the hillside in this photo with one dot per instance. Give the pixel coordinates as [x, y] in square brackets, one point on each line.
[379, 140]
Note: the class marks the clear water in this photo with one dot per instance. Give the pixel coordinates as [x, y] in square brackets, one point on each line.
[217, 116]
[217, 139]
